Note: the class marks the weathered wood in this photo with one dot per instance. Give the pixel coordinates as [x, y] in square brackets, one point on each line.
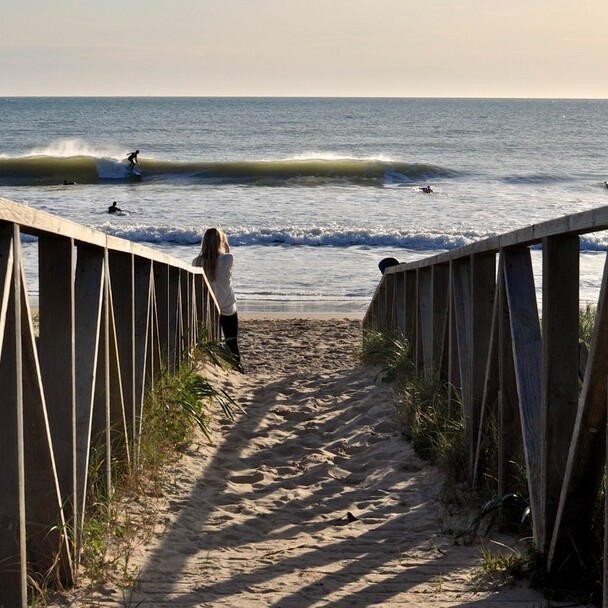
[161, 302]
[142, 331]
[118, 425]
[411, 298]
[452, 346]
[560, 367]
[425, 323]
[88, 291]
[122, 285]
[47, 539]
[174, 319]
[490, 385]
[99, 345]
[483, 287]
[510, 443]
[400, 303]
[13, 567]
[57, 354]
[526, 336]
[440, 284]
[586, 457]
[461, 294]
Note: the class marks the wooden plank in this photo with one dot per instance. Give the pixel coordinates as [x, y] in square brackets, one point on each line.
[380, 313]
[186, 312]
[400, 303]
[490, 385]
[525, 332]
[57, 354]
[88, 291]
[441, 280]
[122, 285]
[118, 424]
[13, 589]
[483, 288]
[389, 294]
[411, 298]
[586, 457]
[560, 367]
[155, 345]
[452, 348]
[174, 319]
[510, 445]
[161, 287]
[461, 294]
[425, 323]
[142, 331]
[46, 530]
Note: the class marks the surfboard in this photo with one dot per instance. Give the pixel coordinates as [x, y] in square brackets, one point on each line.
[135, 171]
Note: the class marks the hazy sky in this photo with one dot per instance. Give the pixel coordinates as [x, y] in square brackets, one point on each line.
[447, 48]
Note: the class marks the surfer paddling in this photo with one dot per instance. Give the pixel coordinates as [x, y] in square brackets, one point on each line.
[132, 158]
[113, 208]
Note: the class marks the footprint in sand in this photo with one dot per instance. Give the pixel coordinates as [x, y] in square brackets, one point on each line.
[249, 478]
[294, 415]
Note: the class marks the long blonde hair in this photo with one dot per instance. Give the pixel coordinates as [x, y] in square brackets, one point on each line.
[214, 243]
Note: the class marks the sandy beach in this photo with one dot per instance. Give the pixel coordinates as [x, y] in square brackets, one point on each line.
[310, 498]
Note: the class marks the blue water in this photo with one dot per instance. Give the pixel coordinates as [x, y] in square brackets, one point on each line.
[311, 192]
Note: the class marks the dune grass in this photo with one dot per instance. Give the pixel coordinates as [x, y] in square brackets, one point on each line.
[431, 417]
[118, 521]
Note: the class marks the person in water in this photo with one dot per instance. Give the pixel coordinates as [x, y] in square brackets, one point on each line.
[132, 158]
[427, 189]
[67, 183]
[217, 261]
[113, 208]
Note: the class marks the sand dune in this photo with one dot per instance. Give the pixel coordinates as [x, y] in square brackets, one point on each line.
[311, 498]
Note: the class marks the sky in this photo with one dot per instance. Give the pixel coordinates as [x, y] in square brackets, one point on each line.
[310, 48]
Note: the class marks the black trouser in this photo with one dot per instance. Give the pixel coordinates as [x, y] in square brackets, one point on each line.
[230, 329]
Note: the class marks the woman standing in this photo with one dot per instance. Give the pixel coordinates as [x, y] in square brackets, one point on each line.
[216, 260]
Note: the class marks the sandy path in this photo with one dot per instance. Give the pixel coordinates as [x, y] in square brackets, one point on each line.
[261, 519]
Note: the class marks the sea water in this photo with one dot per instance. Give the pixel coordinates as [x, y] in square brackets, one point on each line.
[312, 193]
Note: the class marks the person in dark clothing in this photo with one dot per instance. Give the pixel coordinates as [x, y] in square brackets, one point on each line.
[387, 263]
[132, 158]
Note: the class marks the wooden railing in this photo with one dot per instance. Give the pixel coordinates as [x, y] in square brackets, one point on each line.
[472, 315]
[112, 316]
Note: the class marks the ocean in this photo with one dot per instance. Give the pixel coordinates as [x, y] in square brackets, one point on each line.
[312, 193]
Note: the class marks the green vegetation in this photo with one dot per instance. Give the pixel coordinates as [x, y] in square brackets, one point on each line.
[428, 410]
[431, 415]
[119, 520]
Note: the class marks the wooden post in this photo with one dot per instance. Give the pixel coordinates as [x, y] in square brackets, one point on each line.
[426, 327]
[174, 319]
[13, 573]
[57, 353]
[88, 291]
[509, 424]
[525, 332]
[47, 540]
[586, 457]
[400, 303]
[142, 331]
[560, 367]
[483, 288]
[161, 287]
[122, 282]
[441, 279]
[411, 307]
[461, 293]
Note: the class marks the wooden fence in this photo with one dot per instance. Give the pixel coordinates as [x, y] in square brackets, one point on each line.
[472, 315]
[112, 316]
